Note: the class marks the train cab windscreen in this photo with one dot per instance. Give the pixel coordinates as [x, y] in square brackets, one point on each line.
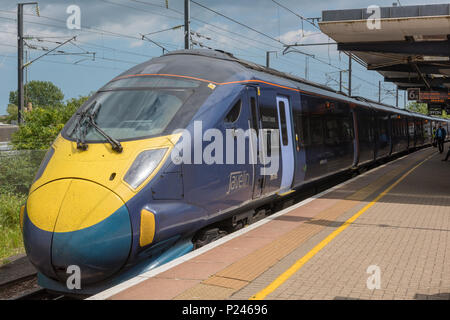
[135, 108]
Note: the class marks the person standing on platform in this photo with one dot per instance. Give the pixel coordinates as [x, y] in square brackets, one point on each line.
[440, 137]
[434, 137]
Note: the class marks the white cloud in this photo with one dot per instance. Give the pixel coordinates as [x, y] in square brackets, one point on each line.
[302, 36]
[136, 44]
[8, 38]
[219, 40]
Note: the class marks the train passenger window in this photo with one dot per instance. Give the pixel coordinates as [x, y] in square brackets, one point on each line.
[419, 128]
[306, 131]
[269, 123]
[332, 132]
[383, 134]
[234, 113]
[269, 116]
[299, 136]
[347, 129]
[284, 133]
[394, 125]
[316, 130]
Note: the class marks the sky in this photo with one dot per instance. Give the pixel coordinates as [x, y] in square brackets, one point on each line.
[112, 30]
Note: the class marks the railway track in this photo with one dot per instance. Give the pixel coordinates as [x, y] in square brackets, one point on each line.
[43, 294]
[18, 281]
[18, 286]
[26, 288]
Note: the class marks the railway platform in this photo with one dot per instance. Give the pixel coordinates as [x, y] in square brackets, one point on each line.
[384, 234]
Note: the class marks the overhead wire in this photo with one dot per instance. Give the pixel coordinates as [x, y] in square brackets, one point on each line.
[210, 24]
[296, 14]
[237, 22]
[87, 44]
[87, 29]
[45, 60]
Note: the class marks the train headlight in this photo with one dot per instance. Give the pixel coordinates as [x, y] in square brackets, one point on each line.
[144, 165]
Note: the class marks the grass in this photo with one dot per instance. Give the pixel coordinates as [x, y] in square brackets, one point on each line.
[17, 171]
[10, 244]
[10, 234]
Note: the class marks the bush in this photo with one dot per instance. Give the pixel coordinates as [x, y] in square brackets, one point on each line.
[42, 125]
[40, 129]
[18, 169]
[12, 113]
[16, 174]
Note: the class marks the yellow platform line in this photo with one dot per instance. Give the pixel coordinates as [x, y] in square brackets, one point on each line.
[299, 263]
[286, 193]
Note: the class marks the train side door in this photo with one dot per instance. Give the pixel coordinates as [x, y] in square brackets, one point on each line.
[287, 146]
[255, 124]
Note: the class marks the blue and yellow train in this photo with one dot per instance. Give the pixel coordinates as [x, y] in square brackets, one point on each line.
[109, 199]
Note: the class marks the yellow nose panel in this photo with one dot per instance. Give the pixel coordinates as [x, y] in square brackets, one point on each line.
[85, 204]
[147, 228]
[44, 203]
[71, 204]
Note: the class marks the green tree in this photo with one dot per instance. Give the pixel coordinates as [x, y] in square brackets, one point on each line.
[42, 125]
[73, 105]
[418, 107]
[42, 94]
[12, 113]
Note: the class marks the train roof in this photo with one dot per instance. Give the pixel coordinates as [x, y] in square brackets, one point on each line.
[227, 68]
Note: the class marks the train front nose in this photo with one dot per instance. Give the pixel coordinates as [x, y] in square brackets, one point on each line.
[74, 222]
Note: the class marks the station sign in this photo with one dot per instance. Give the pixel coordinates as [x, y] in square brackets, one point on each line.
[428, 96]
[435, 109]
[413, 94]
[434, 96]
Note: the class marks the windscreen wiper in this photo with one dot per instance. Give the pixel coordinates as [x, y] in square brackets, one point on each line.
[116, 146]
[80, 126]
[86, 118]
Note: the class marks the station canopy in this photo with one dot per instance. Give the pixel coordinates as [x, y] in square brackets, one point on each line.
[411, 47]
